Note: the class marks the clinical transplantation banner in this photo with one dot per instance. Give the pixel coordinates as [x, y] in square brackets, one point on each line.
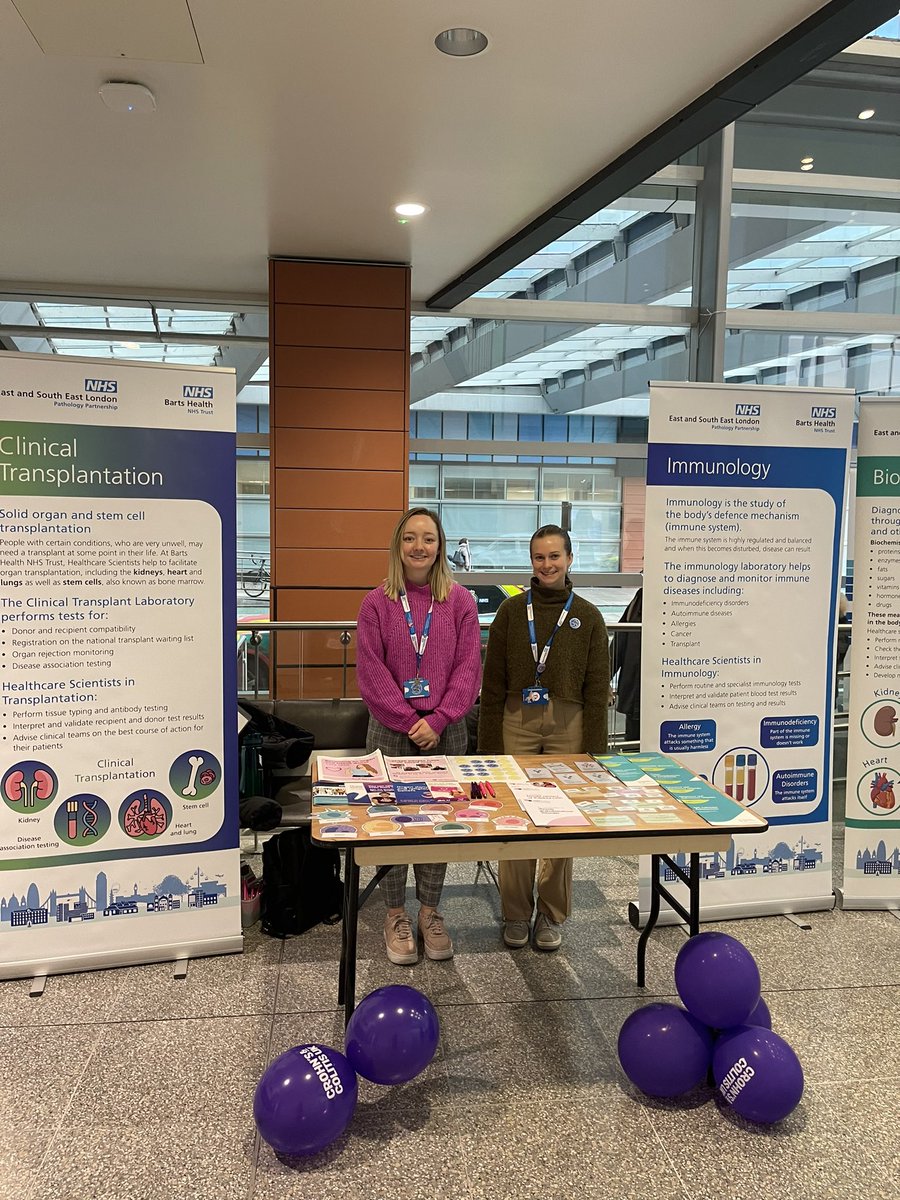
[745, 496]
[872, 842]
[118, 797]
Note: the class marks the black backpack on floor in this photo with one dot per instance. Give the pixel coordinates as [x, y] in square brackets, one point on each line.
[301, 884]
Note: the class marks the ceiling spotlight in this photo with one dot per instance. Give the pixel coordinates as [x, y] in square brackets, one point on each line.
[121, 96]
[461, 43]
[866, 114]
[410, 210]
[806, 166]
[808, 160]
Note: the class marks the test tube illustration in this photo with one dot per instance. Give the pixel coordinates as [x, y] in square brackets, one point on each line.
[751, 777]
[729, 774]
[739, 777]
[72, 819]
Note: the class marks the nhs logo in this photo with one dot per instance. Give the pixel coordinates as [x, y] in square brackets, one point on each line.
[193, 391]
[746, 410]
[109, 386]
[829, 413]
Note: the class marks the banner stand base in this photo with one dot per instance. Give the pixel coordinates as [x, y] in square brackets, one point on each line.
[139, 956]
[868, 903]
[733, 912]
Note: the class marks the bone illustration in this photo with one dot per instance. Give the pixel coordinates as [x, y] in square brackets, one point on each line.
[196, 762]
[886, 721]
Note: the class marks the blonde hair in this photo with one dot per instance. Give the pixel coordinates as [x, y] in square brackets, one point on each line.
[439, 578]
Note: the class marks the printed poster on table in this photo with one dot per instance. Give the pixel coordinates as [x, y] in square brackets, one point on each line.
[872, 821]
[118, 813]
[745, 496]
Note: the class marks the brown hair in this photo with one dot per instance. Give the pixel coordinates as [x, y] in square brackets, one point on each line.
[439, 578]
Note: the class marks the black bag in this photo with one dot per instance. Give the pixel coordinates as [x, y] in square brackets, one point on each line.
[301, 884]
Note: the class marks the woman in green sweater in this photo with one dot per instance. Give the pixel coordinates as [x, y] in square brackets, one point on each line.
[545, 690]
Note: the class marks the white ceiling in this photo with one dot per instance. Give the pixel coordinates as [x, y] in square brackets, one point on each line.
[306, 121]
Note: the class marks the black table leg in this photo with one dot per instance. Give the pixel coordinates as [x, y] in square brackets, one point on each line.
[347, 981]
[655, 863]
[694, 893]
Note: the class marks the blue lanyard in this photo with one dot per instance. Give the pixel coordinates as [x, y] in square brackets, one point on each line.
[540, 664]
[418, 644]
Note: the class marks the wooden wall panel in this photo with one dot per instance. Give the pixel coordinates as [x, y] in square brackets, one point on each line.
[328, 528]
[321, 408]
[349, 285]
[345, 449]
[326, 367]
[353, 328]
[634, 495]
[350, 490]
[339, 414]
[338, 567]
[318, 604]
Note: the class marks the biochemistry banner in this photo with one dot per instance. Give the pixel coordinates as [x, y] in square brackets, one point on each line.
[118, 797]
[745, 496]
[872, 843]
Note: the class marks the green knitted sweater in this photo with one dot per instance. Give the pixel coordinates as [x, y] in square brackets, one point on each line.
[577, 669]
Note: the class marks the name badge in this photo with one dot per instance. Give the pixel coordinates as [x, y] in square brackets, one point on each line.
[415, 689]
[535, 695]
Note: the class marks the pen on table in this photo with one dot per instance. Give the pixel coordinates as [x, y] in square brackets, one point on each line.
[490, 789]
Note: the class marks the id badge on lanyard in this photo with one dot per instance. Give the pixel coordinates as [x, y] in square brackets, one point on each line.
[535, 694]
[418, 687]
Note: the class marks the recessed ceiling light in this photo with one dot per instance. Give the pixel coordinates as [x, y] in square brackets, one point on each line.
[866, 114]
[125, 97]
[410, 210]
[461, 43]
[806, 166]
[129, 345]
[808, 159]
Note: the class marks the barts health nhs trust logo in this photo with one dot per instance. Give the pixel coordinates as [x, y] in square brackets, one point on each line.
[817, 411]
[194, 391]
[746, 410]
[106, 386]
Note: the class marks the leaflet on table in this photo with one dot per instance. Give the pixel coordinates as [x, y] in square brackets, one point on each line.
[497, 768]
[435, 769]
[547, 804]
[337, 770]
[374, 792]
[709, 803]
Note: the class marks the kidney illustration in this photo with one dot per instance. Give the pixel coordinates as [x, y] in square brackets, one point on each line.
[885, 722]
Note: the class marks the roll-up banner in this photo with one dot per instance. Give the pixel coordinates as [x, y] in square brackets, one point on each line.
[745, 496]
[872, 834]
[118, 796]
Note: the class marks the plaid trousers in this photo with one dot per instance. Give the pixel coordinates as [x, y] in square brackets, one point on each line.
[429, 876]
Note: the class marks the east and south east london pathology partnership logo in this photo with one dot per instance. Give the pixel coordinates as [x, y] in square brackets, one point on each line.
[105, 386]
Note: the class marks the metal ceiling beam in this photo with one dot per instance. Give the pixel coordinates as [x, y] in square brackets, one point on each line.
[148, 336]
[824, 34]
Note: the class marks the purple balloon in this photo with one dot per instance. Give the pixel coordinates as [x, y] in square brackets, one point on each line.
[760, 1015]
[757, 1073]
[664, 1050]
[392, 1035]
[305, 1099]
[717, 979]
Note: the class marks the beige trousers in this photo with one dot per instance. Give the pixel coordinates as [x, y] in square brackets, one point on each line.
[554, 728]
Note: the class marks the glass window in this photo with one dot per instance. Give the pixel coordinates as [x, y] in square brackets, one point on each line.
[481, 426]
[253, 476]
[581, 485]
[423, 482]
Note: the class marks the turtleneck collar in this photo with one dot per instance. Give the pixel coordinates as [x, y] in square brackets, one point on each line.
[551, 595]
[416, 589]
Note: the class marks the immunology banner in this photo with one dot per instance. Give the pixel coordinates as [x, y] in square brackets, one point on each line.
[745, 494]
[118, 797]
[872, 845]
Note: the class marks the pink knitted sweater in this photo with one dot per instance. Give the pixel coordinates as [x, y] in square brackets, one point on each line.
[385, 657]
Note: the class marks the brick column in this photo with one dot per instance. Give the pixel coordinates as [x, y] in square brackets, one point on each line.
[339, 428]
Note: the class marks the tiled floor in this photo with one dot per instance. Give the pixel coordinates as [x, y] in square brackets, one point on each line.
[129, 1084]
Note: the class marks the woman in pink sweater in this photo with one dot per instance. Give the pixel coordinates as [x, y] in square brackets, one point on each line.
[419, 671]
